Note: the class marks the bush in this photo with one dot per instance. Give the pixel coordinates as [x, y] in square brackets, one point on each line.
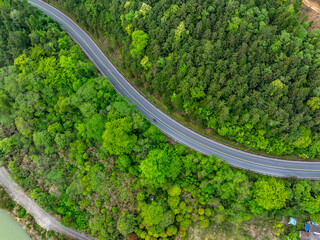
[22, 212]
[204, 223]
[182, 205]
[173, 202]
[98, 203]
[194, 217]
[172, 230]
[185, 223]
[174, 191]
[189, 209]
[208, 212]
[143, 235]
[126, 224]
[123, 162]
[201, 211]
[109, 219]
[103, 211]
[182, 234]
[315, 217]
[115, 209]
[179, 218]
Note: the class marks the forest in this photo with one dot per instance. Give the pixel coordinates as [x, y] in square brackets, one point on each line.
[246, 70]
[89, 158]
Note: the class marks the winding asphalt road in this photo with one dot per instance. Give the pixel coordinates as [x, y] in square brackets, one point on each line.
[175, 130]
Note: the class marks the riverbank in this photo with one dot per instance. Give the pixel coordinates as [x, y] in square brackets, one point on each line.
[26, 220]
[41, 217]
[11, 229]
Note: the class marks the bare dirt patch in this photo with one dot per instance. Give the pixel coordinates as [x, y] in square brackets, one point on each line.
[313, 10]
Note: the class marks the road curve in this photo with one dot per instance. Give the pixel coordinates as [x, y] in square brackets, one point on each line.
[175, 130]
[42, 218]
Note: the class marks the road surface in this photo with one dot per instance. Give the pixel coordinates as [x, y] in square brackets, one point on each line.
[175, 130]
[42, 218]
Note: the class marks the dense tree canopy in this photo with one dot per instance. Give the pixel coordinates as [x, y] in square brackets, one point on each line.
[246, 69]
[86, 155]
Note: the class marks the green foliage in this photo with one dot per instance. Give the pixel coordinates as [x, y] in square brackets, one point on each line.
[139, 42]
[201, 211]
[172, 230]
[117, 137]
[98, 203]
[22, 212]
[123, 162]
[23, 127]
[174, 191]
[109, 219]
[129, 16]
[208, 212]
[152, 213]
[173, 201]
[5, 200]
[115, 209]
[158, 167]
[6, 145]
[314, 103]
[126, 224]
[312, 205]
[102, 158]
[42, 138]
[204, 223]
[270, 193]
[189, 57]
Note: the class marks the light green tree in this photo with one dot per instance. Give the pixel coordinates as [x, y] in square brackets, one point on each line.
[314, 103]
[270, 193]
[42, 138]
[126, 224]
[118, 137]
[158, 167]
[139, 42]
[152, 213]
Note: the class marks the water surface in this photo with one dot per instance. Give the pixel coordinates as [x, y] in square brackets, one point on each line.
[10, 229]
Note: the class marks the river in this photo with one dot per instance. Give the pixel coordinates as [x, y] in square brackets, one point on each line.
[10, 229]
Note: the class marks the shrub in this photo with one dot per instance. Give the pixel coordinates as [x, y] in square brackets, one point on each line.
[315, 217]
[173, 201]
[204, 223]
[109, 219]
[179, 218]
[115, 209]
[143, 235]
[103, 211]
[22, 212]
[123, 162]
[185, 223]
[201, 211]
[126, 224]
[174, 191]
[98, 203]
[208, 212]
[172, 230]
[182, 234]
[194, 217]
[189, 209]
[182, 205]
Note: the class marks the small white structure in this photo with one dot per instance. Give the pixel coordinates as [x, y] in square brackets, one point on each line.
[292, 221]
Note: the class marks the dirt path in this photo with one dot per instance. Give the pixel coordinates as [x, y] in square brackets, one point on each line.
[314, 6]
[313, 10]
[44, 219]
